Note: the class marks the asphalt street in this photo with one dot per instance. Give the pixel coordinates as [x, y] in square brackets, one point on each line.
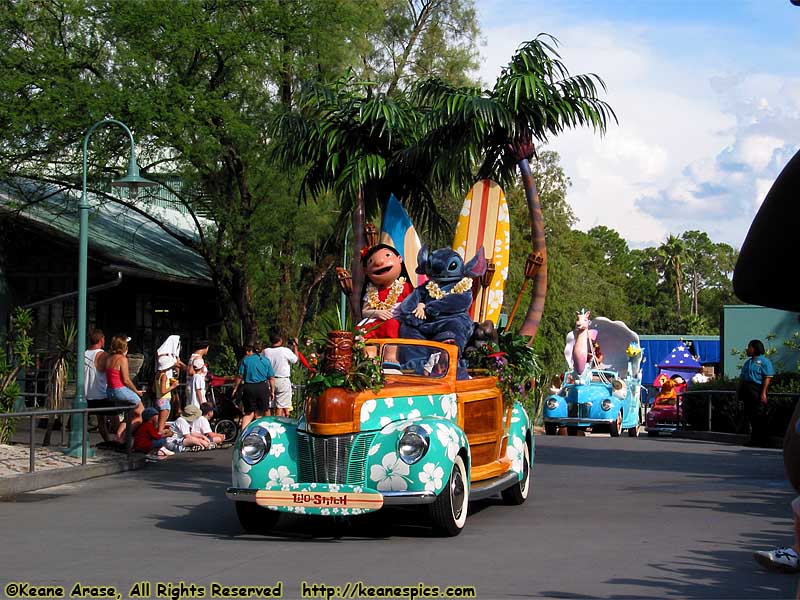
[608, 518]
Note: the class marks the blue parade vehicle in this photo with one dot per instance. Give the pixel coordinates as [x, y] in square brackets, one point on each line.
[602, 388]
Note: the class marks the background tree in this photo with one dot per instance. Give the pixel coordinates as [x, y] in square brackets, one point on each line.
[421, 39]
[671, 255]
[199, 83]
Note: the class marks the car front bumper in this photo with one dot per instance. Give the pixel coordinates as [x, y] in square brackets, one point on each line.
[326, 499]
[661, 427]
[578, 421]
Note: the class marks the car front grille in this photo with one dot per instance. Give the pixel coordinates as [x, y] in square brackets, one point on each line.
[333, 459]
[579, 410]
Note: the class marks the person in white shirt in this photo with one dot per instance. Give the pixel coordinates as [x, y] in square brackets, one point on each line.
[196, 366]
[95, 384]
[196, 384]
[202, 427]
[282, 359]
[182, 436]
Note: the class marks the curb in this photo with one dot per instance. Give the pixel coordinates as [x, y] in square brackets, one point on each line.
[38, 480]
[725, 438]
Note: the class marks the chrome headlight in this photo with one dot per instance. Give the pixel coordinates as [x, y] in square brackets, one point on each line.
[551, 403]
[256, 445]
[413, 444]
[606, 405]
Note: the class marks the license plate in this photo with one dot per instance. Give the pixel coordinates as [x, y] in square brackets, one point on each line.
[320, 499]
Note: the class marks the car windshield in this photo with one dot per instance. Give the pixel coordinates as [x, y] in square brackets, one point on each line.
[408, 359]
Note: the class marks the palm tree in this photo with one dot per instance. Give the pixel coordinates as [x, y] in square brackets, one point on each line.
[347, 136]
[366, 145]
[59, 373]
[671, 254]
[472, 133]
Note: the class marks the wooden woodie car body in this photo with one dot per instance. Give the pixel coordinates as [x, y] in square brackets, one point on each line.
[425, 438]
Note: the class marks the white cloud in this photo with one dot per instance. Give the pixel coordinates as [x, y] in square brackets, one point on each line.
[698, 142]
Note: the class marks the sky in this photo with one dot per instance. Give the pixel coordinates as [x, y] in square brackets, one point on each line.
[707, 94]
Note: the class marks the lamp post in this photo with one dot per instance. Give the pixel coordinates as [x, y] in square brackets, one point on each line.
[133, 181]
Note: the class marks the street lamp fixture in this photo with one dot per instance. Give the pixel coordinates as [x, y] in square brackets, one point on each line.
[133, 181]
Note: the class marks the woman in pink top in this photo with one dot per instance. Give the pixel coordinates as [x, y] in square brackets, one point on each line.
[120, 386]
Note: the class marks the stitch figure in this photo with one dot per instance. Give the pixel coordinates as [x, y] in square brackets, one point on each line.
[438, 310]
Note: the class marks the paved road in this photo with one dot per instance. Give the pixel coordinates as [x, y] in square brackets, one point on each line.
[608, 518]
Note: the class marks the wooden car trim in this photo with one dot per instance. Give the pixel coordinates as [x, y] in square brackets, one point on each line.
[492, 469]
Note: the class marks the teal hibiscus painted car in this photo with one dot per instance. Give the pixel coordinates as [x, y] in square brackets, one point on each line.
[424, 438]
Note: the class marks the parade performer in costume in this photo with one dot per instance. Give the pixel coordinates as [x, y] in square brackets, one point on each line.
[438, 310]
[388, 286]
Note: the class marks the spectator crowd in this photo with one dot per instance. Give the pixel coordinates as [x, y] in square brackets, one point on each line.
[174, 422]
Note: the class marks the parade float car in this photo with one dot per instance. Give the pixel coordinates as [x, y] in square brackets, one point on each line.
[604, 396]
[663, 416]
[425, 438]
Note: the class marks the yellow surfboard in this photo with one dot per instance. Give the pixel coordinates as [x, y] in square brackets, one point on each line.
[484, 222]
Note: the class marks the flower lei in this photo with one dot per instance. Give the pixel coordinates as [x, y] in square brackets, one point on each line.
[374, 302]
[436, 292]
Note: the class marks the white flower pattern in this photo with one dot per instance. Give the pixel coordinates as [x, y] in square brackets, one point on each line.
[516, 452]
[275, 429]
[280, 476]
[391, 475]
[449, 406]
[277, 449]
[449, 439]
[366, 410]
[431, 475]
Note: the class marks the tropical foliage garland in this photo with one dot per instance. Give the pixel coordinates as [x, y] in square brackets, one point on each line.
[513, 362]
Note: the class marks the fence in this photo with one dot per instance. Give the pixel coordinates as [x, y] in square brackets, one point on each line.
[723, 412]
[34, 414]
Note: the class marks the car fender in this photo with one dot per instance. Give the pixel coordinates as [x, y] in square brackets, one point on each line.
[386, 471]
[520, 439]
[279, 466]
[559, 411]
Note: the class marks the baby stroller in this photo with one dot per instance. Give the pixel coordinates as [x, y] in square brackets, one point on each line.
[227, 413]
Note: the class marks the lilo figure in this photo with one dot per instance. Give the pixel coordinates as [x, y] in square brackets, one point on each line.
[387, 287]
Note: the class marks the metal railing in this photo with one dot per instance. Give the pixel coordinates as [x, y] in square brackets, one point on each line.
[33, 414]
[711, 394]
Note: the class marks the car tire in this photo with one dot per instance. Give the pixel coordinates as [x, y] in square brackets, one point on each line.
[518, 493]
[256, 519]
[227, 428]
[652, 434]
[633, 431]
[615, 428]
[449, 510]
[550, 428]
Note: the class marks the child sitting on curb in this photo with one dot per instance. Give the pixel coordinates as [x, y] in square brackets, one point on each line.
[147, 439]
[201, 426]
[183, 438]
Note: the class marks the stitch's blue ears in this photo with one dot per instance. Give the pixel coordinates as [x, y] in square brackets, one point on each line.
[477, 266]
[423, 261]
